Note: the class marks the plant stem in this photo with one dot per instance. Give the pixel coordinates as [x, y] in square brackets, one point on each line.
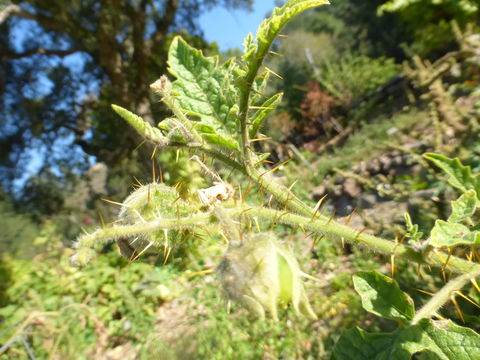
[318, 225]
[207, 150]
[442, 296]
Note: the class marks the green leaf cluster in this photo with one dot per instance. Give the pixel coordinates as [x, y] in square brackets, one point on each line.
[213, 102]
[460, 227]
[435, 339]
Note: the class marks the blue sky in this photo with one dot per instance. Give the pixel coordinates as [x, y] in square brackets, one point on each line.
[229, 27]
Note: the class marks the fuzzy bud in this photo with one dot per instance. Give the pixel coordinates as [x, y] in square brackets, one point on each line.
[148, 203]
[162, 86]
[261, 274]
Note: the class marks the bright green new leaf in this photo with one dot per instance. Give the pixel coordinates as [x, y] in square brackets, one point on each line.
[442, 339]
[382, 296]
[141, 126]
[257, 120]
[464, 207]
[459, 176]
[204, 90]
[269, 29]
[451, 234]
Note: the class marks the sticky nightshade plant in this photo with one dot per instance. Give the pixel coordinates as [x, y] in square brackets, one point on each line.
[217, 111]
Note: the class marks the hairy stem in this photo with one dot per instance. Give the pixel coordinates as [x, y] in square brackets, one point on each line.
[317, 225]
[442, 296]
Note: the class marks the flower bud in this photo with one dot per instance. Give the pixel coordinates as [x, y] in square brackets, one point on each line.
[261, 274]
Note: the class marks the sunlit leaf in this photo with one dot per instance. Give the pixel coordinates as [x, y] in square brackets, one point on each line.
[459, 176]
[382, 296]
[451, 234]
[464, 207]
[204, 90]
[442, 339]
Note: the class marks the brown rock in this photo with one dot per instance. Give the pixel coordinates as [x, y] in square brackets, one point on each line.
[351, 187]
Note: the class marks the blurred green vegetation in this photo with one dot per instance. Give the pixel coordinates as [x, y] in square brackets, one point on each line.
[342, 77]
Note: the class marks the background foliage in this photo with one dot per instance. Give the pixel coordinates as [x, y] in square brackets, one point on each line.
[354, 119]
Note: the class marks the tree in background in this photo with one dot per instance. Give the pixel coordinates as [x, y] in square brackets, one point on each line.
[62, 63]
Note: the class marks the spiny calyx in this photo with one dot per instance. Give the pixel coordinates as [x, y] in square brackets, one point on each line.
[261, 275]
[151, 202]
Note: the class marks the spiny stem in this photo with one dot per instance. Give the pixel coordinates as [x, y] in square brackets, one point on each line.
[321, 226]
[284, 196]
[207, 150]
[442, 296]
[110, 234]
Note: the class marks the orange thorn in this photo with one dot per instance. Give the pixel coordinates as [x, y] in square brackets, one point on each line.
[392, 263]
[153, 171]
[474, 283]
[423, 291]
[138, 182]
[244, 211]
[112, 202]
[448, 258]
[258, 92]
[318, 206]
[203, 272]
[205, 228]
[252, 107]
[141, 252]
[275, 53]
[402, 239]
[174, 201]
[360, 233]
[458, 292]
[454, 301]
[269, 204]
[469, 256]
[286, 202]
[260, 139]
[291, 186]
[153, 153]
[331, 218]
[101, 219]
[276, 167]
[273, 72]
[317, 239]
[349, 217]
[247, 191]
[161, 174]
[139, 145]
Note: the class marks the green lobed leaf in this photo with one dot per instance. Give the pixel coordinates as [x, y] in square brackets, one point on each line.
[382, 296]
[464, 207]
[459, 176]
[443, 340]
[141, 126]
[205, 90]
[452, 234]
